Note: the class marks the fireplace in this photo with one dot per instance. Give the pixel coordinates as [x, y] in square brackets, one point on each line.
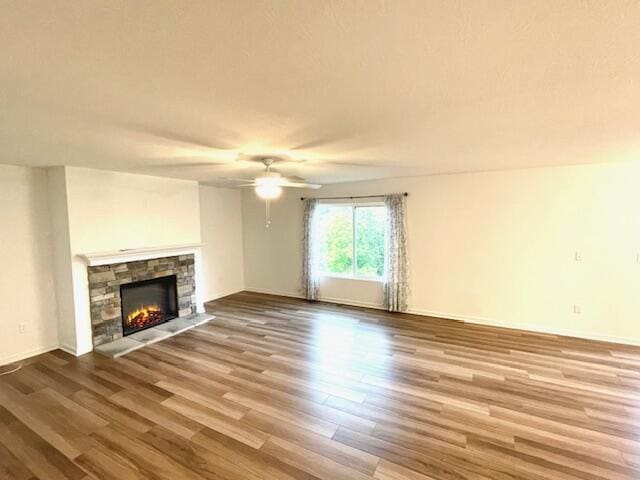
[148, 303]
[109, 285]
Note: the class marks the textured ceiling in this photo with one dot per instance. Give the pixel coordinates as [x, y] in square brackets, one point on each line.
[358, 89]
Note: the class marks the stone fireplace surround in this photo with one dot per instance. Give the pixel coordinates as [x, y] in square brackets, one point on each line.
[104, 290]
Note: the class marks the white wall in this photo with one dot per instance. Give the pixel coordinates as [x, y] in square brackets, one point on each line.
[221, 232]
[26, 278]
[111, 210]
[61, 257]
[494, 247]
[272, 256]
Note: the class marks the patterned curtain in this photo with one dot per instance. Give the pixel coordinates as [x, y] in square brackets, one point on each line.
[396, 283]
[310, 277]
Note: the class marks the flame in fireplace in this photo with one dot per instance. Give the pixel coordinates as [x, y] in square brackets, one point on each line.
[145, 316]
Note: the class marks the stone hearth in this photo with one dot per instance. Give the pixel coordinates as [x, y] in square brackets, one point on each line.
[137, 340]
[104, 290]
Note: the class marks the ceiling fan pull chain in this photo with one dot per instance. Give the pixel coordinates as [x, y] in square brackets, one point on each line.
[267, 214]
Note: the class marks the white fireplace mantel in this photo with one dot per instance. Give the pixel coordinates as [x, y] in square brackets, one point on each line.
[134, 254]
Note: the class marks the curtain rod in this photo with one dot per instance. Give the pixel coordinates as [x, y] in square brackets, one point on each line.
[406, 194]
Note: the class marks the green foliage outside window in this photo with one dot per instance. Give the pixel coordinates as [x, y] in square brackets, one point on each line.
[337, 237]
[370, 241]
[337, 225]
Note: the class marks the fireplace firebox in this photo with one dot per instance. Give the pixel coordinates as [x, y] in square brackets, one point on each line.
[148, 303]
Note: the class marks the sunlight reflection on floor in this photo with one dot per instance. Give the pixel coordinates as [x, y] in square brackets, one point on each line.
[345, 350]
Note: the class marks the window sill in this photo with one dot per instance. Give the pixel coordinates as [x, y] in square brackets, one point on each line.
[351, 277]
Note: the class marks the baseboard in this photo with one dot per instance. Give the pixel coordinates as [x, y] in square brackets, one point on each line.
[352, 303]
[469, 319]
[452, 316]
[340, 301]
[23, 355]
[222, 295]
[526, 327]
[68, 349]
[266, 291]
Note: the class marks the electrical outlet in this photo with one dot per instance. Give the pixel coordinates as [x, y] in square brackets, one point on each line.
[577, 309]
[22, 328]
[578, 256]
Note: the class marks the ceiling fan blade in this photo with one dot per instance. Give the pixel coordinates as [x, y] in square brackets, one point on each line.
[194, 165]
[301, 185]
[295, 179]
[231, 179]
[319, 162]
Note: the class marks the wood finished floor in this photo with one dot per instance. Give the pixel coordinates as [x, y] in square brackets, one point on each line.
[278, 388]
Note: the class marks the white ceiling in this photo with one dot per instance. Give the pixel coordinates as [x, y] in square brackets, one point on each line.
[360, 89]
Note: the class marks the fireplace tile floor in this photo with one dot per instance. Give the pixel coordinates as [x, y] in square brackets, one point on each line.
[119, 347]
[151, 335]
[176, 326]
[122, 346]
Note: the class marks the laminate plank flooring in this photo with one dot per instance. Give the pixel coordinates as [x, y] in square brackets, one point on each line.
[280, 388]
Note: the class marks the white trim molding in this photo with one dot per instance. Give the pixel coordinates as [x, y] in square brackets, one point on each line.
[266, 291]
[31, 353]
[340, 301]
[71, 350]
[134, 254]
[525, 327]
[218, 296]
[351, 303]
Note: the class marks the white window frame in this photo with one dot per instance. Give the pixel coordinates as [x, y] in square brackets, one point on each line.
[353, 275]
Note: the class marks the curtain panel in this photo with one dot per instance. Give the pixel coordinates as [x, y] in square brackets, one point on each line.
[310, 267]
[396, 282]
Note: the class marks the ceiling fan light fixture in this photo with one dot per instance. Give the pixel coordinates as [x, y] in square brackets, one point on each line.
[269, 178]
[269, 191]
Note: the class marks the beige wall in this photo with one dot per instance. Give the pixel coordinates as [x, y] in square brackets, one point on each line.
[495, 247]
[27, 296]
[221, 232]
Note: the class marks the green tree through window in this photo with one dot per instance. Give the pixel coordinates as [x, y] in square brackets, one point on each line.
[351, 240]
[369, 234]
[336, 246]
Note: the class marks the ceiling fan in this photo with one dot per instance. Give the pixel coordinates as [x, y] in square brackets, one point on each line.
[269, 184]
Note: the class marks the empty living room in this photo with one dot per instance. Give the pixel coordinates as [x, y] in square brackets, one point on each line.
[320, 240]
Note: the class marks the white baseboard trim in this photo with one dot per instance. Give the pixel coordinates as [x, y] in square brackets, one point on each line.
[340, 301]
[351, 303]
[470, 319]
[273, 292]
[526, 327]
[30, 353]
[222, 295]
[69, 349]
[450, 316]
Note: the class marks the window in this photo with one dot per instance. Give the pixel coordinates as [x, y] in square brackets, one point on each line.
[351, 242]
